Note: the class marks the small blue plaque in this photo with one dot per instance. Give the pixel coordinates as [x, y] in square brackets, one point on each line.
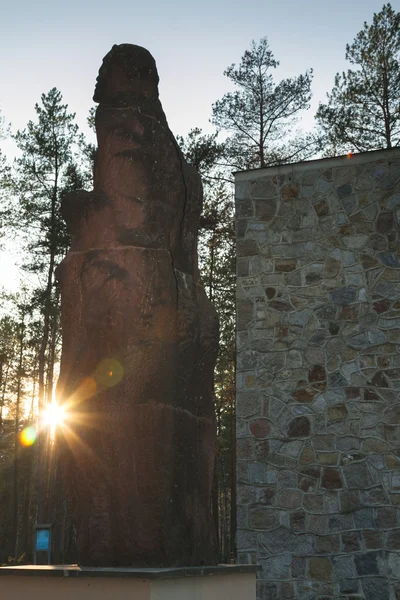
[43, 540]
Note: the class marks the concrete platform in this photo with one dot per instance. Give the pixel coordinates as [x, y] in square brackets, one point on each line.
[63, 582]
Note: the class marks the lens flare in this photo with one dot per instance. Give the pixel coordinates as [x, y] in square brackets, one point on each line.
[53, 415]
[28, 436]
[109, 372]
[86, 390]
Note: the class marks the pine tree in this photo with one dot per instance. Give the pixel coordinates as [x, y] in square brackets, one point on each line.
[259, 115]
[49, 165]
[204, 153]
[217, 265]
[363, 109]
[216, 250]
[16, 464]
[52, 162]
[4, 181]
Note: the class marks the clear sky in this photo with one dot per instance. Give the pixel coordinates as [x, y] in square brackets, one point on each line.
[47, 43]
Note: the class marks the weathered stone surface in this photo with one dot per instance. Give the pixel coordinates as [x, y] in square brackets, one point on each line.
[323, 442]
[260, 428]
[282, 540]
[332, 340]
[344, 296]
[331, 479]
[262, 449]
[245, 311]
[263, 518]
[364, 519]
[372, 540]
[244, 448]
[320, 568]
[327, 544]
[348, 586]
[267, 591]
[385, 222]
[357, 476]
[327, 458]
[375, 588]
[321, 208]
[351, 541]
[369, 262]
[256, 472]
[285, 266]
[263, 188]
[281, 306]
[380, 380]
[332, 267]
[290, 190]
[344, 567]
[317, 524]
[316, 374]
[299, 427]
[304, 395]
[139, 339]
[274, 568]
[393, 539]
[244, 209]
[389, 259]
[250, 404]
[366, 564]
[247, 248]
[265, 210]
[298, 521]
[350, 203]
[290, 499]
[344, 190]
[307, 456]
[287, 479]
[349, 501]
[341, 523]
[337, 413]
[386, 517]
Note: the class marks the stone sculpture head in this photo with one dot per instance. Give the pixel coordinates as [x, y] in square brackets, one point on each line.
[127, 68]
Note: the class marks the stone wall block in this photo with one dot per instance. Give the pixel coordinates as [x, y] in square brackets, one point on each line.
[242, 190]
[244, 209]
[263, 188]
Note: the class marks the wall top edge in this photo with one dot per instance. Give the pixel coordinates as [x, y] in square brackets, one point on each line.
[320, 163]
[130, 572]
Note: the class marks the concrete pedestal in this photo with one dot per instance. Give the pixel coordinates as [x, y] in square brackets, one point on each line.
[222, 582]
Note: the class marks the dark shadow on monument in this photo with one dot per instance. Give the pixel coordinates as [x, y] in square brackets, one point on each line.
[140, 339]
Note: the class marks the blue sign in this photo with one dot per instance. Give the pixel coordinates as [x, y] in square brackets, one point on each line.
[43, 540]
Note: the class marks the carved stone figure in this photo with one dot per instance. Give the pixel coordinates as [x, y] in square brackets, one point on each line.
[140, 339]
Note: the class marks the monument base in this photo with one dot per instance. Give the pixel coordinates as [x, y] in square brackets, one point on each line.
[221, 582]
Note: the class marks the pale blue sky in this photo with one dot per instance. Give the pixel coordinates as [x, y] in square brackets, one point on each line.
[47, 43]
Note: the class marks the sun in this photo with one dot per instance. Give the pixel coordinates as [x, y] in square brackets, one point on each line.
[53, 415]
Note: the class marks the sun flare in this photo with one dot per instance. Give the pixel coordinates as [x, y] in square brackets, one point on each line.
[53, 415]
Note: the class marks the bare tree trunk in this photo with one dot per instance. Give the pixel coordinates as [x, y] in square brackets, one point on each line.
[43, 446]
[16, 441]
[233, 527]
[215, 503]
[52, 347]
[3, 390]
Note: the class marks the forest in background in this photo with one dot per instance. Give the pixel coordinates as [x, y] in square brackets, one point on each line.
[255, 126]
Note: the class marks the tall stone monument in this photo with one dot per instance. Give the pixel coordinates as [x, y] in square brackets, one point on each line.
[140, 339]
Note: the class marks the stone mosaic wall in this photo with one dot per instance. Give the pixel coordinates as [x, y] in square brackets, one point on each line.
[318, 377]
